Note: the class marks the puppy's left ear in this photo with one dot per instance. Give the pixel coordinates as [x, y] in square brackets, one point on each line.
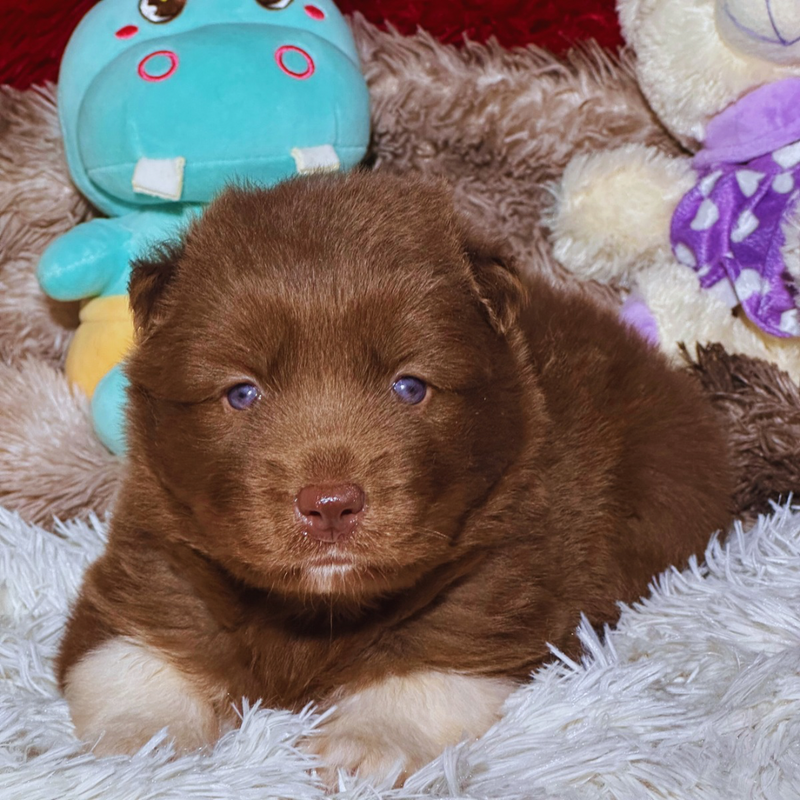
[497, 283]
[150, 279]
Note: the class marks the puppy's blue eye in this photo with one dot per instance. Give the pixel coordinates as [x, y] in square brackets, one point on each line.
[242, 396]
[410, 390]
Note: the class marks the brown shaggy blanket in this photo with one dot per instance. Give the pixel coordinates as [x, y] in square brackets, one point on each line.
[499, 125]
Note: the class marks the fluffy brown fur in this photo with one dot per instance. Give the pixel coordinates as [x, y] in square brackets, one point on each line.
[761, 406]
[554, 467]
[37, 203]
[500, 125]
[51, 463]
[73, 470]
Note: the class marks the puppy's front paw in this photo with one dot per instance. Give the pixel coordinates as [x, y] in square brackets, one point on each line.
[397, 725]
[370, 751]
[123, 693]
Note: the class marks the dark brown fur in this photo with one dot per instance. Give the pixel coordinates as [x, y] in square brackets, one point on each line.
[761, 407]
[558, 465]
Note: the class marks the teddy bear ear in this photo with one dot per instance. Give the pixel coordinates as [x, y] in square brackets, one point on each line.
[496, 280]
[150, 279]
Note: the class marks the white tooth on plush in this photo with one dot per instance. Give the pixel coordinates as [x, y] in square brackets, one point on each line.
[159, 177]
[316, 159]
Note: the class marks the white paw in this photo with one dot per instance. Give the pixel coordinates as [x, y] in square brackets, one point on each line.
[123, 693]
[391, 728]
[374, 752]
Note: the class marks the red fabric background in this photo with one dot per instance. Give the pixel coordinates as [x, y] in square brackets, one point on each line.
[33, 33]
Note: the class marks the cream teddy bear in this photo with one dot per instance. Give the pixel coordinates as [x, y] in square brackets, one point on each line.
[710, 243]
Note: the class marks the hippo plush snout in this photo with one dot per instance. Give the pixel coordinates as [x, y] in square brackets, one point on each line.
[236, 98]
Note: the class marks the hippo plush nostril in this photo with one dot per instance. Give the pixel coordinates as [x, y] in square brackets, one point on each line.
[295, 62]
[158, 66]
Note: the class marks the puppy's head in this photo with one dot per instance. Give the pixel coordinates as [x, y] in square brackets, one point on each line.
[327, 382]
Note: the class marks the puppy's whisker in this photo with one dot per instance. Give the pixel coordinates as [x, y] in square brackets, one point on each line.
[433, 533]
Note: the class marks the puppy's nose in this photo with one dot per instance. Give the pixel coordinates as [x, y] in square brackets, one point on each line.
[330, 513]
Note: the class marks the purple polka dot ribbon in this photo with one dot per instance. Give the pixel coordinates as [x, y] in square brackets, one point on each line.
[732, 226]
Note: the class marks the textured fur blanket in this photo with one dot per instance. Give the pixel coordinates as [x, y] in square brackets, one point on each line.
[695, 694]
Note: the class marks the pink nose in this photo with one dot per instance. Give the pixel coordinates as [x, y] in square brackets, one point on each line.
[330, 513]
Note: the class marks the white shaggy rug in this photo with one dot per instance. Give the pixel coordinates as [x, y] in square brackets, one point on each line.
[695, 695]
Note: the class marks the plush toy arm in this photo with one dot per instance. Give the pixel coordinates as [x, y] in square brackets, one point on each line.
[613, 209]
[95, 258]
[108, 410]
[87, 261]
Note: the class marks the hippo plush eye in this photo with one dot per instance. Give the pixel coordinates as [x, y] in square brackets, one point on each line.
[274, 5]
[242, 396]
[161, 10]
[410, 390]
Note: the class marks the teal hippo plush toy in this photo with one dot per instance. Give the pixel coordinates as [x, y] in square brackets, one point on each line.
[164, 102]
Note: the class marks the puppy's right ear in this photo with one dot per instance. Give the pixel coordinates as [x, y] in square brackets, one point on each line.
[496, 281]
[151, 277]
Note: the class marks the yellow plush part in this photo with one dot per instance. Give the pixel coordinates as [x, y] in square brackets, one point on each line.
[102, 340]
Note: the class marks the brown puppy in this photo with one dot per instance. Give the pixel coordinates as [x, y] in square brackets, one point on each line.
[371, 466]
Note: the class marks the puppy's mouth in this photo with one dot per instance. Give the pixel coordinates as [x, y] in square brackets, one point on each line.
[337, 559]
[329, 569]
[345, 568]
[332, 572]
